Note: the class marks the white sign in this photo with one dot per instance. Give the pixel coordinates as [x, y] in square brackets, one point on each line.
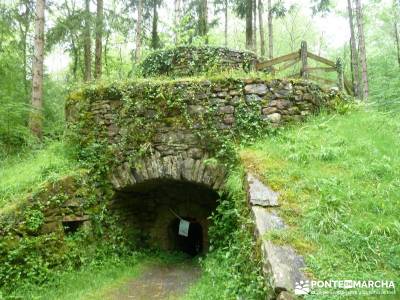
[184, 228]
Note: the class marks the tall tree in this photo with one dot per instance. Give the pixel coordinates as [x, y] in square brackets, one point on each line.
[203, 19]
[23, 18]
[270, 31]
[354, 53]
[155, 39]
[87, 44]
[396, 11]
[362, 51]
[261, 26]
[139, 30]
[36, 116]
[249, 24]
[177, 17]
[99, 40]
[255, 25]
[226, 23]
[222, 6]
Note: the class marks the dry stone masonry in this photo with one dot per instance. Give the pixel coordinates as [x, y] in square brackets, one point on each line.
[189, 61]
[282, 265]
[172, 129]
[158, 150]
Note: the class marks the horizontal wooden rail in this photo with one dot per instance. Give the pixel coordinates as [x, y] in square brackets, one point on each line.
[321, 59]
[289, 64]
[324, 69]
[305, 71]
[278, 60]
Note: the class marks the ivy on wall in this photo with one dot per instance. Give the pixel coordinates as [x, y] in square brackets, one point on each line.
[189, 61]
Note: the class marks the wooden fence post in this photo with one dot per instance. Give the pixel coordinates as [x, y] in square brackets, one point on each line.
[303, 56]
[339, 68]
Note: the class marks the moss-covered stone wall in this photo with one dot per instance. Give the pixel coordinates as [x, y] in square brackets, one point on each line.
[176, 128]
[189, 61]
[129, 134]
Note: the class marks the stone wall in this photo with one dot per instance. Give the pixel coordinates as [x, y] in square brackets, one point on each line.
[189, 61]
[172, 129]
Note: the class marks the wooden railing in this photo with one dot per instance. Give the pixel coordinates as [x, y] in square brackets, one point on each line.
[284, 62]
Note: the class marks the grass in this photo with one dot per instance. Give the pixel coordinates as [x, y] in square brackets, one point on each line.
[22, 173]
[95, 281]
[91, 282]
[339, 179]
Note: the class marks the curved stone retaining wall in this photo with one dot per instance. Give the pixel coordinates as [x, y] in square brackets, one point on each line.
[172, 129]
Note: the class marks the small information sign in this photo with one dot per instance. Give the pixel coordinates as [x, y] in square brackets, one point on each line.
[184, 228]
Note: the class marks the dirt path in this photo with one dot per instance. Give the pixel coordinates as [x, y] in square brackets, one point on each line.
[158, 282]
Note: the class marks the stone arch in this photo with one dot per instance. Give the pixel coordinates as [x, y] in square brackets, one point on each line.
[178, 167]
[152, 207]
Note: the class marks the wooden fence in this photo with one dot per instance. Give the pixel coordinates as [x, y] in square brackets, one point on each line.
[276, 65]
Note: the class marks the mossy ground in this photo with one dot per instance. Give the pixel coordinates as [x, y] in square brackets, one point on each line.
[25, 172]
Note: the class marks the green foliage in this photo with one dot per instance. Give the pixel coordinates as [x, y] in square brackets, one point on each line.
[233, 268]
[24, 172]
[338, 176]
[34, 219]
[189, 61]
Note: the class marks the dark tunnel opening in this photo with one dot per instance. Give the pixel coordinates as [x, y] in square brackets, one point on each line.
[154, 208]
[191, 244]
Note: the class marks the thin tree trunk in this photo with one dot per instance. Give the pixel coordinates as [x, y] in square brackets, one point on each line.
[396, 28]
[75, 56]
[139, 31]
[226, 23]
[154, 32]
[24, 23]
[24, 41]
[270, 31]
[396, 34]
[255, 26]
[106, 43]
[261, 26]
[361, 45]
[354, 54]
[99, 37]
[249, 24]
[36, 116]
[87, 44]
[177, 11]
[203, 20]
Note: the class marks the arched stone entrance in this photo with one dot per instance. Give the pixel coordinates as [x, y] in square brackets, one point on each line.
[153, 209]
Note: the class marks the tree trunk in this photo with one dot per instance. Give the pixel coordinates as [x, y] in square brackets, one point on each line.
[261, 26]
[354, 54]
[255, 26]
[396, 34]
[75, 56]
[361, 45]
[270, 32]
[396, 29]
[99, 37]
[87, 44]
[36, 115]
[177, 12]
[203, 19]
[249, 24]
[24, 24]
[226, 23]
[155, 40]
[139, 31]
